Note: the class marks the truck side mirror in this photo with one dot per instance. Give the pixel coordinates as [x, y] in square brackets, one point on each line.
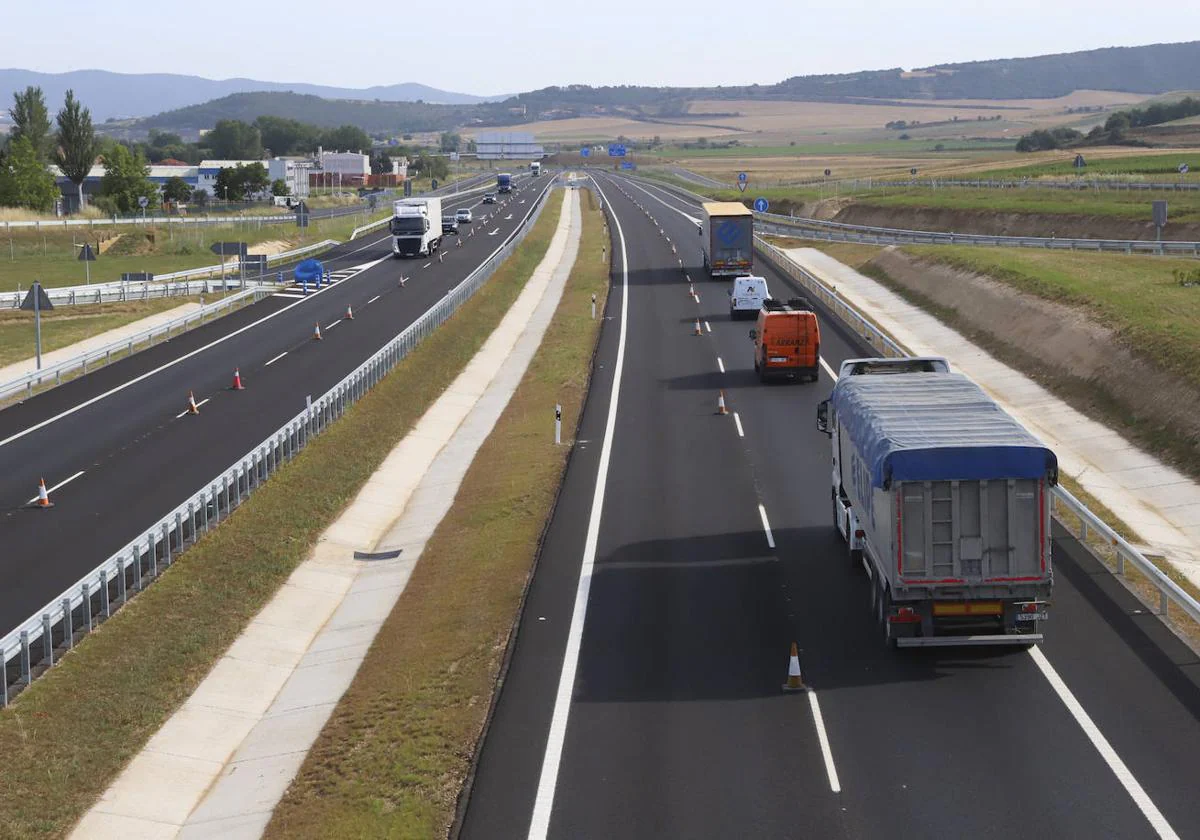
[699, 230]
[823, 417]
[753, 334]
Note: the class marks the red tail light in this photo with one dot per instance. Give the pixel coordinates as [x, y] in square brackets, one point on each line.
[859, 533]
[905, 615]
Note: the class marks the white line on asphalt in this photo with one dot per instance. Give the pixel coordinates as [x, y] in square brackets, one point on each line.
[762, 511]
[334, 324]
[687, 216]
[825, 367]
[1140, 798]
[708, 326]
[62, 483]
[823, 737]
[372, 300]
[161, 368]
[427, 265]
[738, 422]
[548, 780]
[720, 364]
[276, 359]
[185, 411]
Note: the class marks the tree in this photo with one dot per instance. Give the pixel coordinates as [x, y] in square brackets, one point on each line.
[237, 182]
[163, 139]
[32, 120]
[24, 181]
[431, 167]
[381, 163]
[449, 141]
[235, 140]
[76, 151]
[126, 179]
[176, 190]
[279, 187]
[348, 138]
[284, 137]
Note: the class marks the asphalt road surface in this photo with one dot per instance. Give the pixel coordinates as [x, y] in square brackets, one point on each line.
[643, 695]
[115, 452]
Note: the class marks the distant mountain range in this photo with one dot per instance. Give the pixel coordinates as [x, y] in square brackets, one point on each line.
[123, 95]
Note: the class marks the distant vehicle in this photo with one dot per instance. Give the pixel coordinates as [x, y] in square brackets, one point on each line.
[504, 182]
[414, 226]
[747, 296]
[787, 340]
[726, 238]
[945, 499]
[535, 169]
[449, 224]
[463, 215]
[489, 198]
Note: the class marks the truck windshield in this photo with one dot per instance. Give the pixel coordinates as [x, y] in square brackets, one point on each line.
[408, 225]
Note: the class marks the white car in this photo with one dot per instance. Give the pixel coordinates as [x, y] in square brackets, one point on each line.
[463, 215]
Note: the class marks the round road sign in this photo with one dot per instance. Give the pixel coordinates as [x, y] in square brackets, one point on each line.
[742, 177]
[143, 201]
[760, 205]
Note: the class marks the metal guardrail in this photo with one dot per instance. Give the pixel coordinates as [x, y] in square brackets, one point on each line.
[1169, 592]
[805, 228]
[36, 641]
[216, 277]
[53, 375]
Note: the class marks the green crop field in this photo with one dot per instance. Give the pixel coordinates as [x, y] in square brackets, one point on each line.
[1154, 167]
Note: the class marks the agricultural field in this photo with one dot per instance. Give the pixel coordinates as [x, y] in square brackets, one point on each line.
[1107, 162]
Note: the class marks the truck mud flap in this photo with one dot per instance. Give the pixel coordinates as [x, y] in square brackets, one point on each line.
[963, 641]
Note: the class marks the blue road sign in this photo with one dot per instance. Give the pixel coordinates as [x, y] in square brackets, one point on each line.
[585, 152]
[760, 205]
[616, 150]
[729, 232]
[742, 177]
[1183, 169]
[627, 164]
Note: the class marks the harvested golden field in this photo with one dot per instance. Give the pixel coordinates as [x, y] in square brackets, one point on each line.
[605, 127]
[776, 171]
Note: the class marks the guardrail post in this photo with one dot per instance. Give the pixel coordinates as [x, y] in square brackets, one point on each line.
[87, 607]
[179, 530]
[68, 624]
[105, 606]
[1083, 529]
[1162, 602]
[4, 684]
[26, 676]
[153, 555]
[122, 594]
[47, 640]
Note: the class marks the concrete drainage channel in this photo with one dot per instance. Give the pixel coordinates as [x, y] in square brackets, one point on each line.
[33, 647]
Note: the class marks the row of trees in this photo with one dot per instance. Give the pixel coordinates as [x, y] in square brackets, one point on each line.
[24, 180]
[237, 140]
[1114, 128]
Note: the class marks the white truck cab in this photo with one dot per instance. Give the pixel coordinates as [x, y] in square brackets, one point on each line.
[747, 296]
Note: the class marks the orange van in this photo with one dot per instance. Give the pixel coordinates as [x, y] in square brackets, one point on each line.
[787, 340]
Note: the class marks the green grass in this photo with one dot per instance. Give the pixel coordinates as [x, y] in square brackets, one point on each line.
[875, 147]
[393, 756]
[68, 324]
[1184, 207]
[1155, 167]
[51, 257]
[65, 739]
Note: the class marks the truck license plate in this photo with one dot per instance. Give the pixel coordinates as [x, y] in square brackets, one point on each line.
[777, 359]
[1038, 616]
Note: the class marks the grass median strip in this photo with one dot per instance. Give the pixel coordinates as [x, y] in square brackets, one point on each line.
[67, 737]
[393, 756]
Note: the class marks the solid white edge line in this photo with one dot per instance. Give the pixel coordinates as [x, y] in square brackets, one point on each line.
[60, 484]
[276, 359]
[762, 511]
[543, 804]
[738, 422]
[825, 367]
[720, 364]
[31, 429]
[823, 737]
[1140, 798]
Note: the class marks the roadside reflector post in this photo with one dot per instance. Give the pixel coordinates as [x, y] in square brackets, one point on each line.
[557, 424]
[593, 306]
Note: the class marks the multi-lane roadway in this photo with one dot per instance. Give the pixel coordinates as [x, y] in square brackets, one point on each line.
[116, 452]
[686, 553]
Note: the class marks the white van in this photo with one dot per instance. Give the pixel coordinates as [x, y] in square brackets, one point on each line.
[747, 296]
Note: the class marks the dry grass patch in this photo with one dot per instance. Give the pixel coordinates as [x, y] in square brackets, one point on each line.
[67, 737]
[393, 757]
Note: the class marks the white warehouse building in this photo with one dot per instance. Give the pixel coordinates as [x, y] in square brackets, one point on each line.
[293, 172]
[508, 145]
[346, 164]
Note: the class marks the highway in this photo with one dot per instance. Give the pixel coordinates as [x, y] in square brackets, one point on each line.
[116, 452]
[689, 549]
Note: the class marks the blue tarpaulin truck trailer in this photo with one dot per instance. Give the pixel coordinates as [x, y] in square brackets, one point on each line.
[944, 499]
[504, 182]
[726, 238]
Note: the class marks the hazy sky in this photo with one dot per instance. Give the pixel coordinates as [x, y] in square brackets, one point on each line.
[508, 47]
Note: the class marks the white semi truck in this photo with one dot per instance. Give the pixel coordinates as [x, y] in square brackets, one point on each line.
[535, 169]
[416, 226]
[944, 499]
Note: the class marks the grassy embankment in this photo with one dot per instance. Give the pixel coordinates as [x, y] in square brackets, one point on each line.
[1143, 167]
[393, 757]
[51, 255]
[67, 736]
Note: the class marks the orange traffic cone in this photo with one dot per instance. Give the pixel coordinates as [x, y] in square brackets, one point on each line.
[721, 403]
[316, 332]
[43, 499]
[192, 407]
[794, 683]
[698, 331]
[349, 313]
[237, 380]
